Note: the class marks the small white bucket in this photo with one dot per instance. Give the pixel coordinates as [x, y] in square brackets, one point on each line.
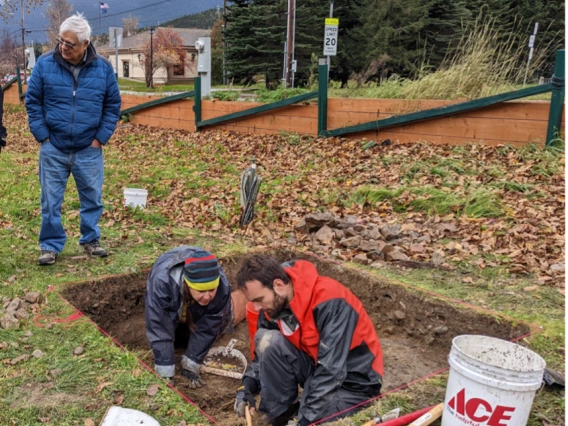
[491, 382]
[135, 197]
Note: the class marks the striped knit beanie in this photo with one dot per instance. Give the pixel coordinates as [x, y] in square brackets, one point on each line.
[201, 271]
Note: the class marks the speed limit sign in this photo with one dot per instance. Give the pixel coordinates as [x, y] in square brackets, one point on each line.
[330, 37]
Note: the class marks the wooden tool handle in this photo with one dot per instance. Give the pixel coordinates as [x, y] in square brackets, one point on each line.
[429, 418]
[370, 423]
[248, 416]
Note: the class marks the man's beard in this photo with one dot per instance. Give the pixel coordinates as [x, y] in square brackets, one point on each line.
[280, 303]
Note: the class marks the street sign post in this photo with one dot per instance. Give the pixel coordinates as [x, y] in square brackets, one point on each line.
[531, 50]
[330, 37]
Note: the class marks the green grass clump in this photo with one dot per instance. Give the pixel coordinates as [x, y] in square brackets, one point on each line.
[481, 203]
[280, 93]
[226, 95]
[140, 86]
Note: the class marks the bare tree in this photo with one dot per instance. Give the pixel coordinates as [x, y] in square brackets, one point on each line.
[9, 53]
[130, 25]
[57, 12]
[8, 8]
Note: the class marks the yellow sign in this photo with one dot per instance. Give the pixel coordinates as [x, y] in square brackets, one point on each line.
[332, 21]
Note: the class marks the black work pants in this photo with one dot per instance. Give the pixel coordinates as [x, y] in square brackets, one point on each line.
[282, 368]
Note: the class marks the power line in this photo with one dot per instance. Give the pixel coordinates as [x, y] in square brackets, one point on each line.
[130, 10]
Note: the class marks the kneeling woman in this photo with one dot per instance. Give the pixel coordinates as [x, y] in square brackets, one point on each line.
[188, 291]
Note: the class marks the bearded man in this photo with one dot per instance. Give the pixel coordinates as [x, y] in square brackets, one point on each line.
[312, 333]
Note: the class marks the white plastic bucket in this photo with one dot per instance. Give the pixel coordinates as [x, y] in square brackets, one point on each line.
[135, 197]
[491, 382]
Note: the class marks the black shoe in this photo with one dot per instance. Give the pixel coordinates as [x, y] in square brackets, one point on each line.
[94, 249]
[47, 257]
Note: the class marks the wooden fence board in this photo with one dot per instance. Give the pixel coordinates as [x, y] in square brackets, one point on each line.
[515, 122]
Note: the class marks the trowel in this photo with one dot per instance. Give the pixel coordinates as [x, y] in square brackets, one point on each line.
[118, 416]
[225, 361]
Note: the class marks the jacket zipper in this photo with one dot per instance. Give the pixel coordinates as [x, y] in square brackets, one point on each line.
[73, 107]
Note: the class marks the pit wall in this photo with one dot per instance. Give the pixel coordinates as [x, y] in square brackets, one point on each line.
[516, 122]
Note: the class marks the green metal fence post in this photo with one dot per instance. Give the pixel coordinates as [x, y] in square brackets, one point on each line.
[19, 83]
[557, 100]
[322, 96]
[197, 100]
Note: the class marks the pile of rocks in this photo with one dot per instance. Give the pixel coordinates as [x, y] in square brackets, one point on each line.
[369, 243]
[16, 310]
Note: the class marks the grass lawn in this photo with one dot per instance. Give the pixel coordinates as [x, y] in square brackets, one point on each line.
[140, 86]
[193, 184]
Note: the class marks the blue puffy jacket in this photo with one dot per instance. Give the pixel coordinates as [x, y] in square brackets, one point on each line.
[72, 113]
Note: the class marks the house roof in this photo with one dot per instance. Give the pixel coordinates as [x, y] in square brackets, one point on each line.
[189, 36]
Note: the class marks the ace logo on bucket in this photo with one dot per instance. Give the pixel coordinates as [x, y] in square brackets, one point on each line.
[477, 411]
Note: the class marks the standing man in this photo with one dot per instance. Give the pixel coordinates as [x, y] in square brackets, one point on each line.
[314, 333]
[73, 104]
[2, 128]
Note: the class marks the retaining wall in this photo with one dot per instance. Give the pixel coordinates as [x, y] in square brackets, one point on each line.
[515, 122]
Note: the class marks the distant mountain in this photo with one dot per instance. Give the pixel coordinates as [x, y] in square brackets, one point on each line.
[148, 12]
[204, 20]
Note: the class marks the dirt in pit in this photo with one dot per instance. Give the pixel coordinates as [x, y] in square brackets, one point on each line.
[415, 329]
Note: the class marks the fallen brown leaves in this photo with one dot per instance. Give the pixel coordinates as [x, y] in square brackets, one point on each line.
[193, 181]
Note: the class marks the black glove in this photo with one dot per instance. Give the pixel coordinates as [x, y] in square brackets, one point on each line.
[244, 398]
[195, 381]
[2, 142]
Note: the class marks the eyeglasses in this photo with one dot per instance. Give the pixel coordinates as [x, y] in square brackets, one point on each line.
[66, 43]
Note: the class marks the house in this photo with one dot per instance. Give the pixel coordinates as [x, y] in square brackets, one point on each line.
[130, 55]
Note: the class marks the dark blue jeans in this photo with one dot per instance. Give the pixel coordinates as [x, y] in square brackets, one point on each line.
[55, 167]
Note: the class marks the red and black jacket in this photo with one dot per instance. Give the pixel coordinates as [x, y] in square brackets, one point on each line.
[336, 332]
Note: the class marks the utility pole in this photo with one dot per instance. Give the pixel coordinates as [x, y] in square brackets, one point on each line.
[329, 57]
[290, 41]
[23, 41]
[225, 79]
[151, 57]
[100, 26]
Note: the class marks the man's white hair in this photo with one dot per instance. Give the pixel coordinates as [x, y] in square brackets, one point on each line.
[78, 25]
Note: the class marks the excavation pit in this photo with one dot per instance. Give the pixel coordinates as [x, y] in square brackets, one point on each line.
[415, 328]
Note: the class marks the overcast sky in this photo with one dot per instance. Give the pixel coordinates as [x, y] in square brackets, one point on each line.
[149, 12]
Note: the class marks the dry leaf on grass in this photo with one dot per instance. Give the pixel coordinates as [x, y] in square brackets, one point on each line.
[152, 390]
[118, 399]
[101, 386]
[89, 422]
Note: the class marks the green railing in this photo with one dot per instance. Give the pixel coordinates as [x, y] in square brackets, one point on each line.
[156, 102]
[199, 124]
[9, 83]
[554, 121]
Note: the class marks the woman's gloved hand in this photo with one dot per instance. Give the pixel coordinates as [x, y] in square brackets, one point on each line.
[195, 380]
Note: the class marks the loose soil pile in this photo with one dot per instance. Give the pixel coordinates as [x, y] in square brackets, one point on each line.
[415, 329]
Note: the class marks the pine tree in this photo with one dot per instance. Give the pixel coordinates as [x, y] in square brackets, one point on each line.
[350, 52]
[392, 29]
[254, 38]
[309, 32]
[443, 28]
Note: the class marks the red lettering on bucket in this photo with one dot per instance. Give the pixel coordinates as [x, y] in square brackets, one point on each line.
[479, 410]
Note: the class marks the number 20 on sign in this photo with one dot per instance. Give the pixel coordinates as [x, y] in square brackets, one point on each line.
[330, 37]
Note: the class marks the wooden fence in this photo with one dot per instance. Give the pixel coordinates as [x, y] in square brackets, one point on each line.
[515, 122]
